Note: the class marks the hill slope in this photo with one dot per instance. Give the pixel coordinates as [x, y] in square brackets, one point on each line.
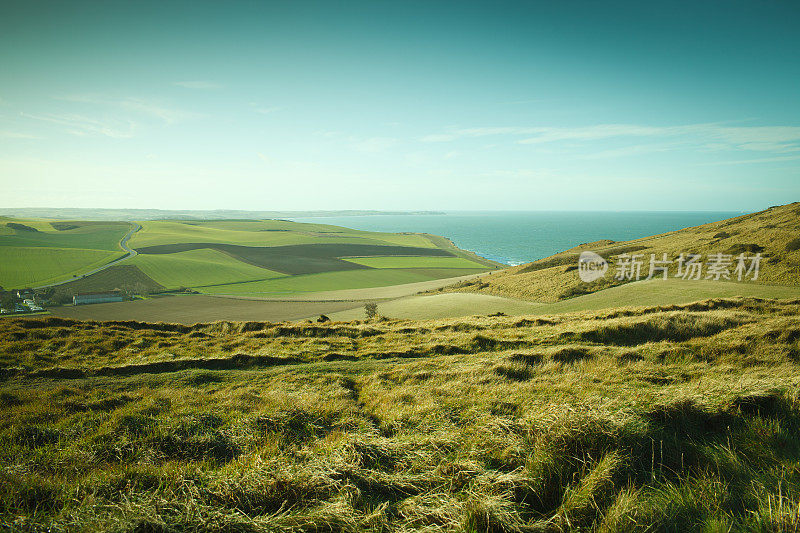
[775, 233]
[684, 418]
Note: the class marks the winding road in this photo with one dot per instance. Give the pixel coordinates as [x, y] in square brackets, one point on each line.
[123, 243]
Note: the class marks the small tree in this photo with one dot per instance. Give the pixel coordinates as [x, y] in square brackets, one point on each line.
[371, 309]
[7, 301]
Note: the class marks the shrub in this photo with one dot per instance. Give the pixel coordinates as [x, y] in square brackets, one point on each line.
[742, 248]
[21, 227]
[371, 309]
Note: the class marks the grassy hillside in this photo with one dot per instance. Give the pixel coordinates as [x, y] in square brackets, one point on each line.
[667, 292]
[775, 233]
[684, 418]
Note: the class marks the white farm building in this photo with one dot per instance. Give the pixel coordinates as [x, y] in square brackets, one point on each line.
[96, 298]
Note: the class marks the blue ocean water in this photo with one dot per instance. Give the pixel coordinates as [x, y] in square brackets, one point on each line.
[516, 237]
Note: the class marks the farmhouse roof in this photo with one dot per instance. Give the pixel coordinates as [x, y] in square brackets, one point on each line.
[101, 293]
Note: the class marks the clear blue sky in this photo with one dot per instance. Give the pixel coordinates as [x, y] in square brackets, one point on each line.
[401, 105]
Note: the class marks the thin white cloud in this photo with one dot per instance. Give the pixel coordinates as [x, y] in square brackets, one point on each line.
[753, 161]
[197, 84]
[373, 144]
[5, 134]
[82, 125]
[593, 133]
[759, 134]
[167, 114]
[636, 149]
[266, 110]
[118, 118]
[709, 136]
[477, 132]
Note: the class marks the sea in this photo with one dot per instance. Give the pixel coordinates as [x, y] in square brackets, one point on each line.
[516, 237]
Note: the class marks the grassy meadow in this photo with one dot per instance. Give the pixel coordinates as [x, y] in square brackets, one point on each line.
[673, 418]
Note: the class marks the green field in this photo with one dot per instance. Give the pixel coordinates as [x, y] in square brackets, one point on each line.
[452, 304]
[330, 281]
[90, 236]
[198, 267]
[35, 252]
[224, 256]
[24, 267]
[414, 262]
[263, 233]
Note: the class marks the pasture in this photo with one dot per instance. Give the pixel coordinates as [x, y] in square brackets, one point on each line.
[414, 262]
[446, 305]
[299, 258]
[198, 267]
[332, 281]
[40, 265]
[38, 252]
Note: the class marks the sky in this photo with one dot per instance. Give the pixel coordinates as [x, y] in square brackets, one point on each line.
[406, 105]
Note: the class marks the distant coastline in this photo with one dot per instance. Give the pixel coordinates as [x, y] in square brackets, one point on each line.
[517, 237]
[79, 213]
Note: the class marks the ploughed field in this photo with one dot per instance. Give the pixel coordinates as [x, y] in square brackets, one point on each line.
[671, 418]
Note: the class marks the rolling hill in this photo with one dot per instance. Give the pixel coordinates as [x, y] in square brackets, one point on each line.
[39, 252]
[774, 233]
[241, 257]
